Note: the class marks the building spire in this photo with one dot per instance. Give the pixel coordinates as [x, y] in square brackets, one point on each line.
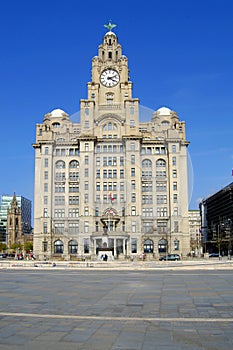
[110, 25]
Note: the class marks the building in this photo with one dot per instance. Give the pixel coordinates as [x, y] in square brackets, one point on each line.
[110, 183]
[24, 205]
[195, 232]
[217, 220]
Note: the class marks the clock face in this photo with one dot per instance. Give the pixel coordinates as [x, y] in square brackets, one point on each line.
[109, 77]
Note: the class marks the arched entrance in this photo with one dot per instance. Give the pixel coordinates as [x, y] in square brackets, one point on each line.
[162, 246]
[148, 246]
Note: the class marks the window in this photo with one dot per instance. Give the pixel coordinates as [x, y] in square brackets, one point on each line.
[46, 163]
[59, 200]
[174, 198]
[176, 226]
[133, 211]
[132, 123]
[86, 227]
[73, 200]
[46, 150]
[86, 211]
[59, 213]
[73, 212]
[59, 227]
[161, 199]
[46, 175]
[134, 245]
[86, 160]
[58, 247]
[86, 246]
[162, 212]
[133, 185]
[174, 173]
[173, 148]
[175, 186]
[45, 246]
[97, 161]
[133, 197]
[73, 187]
[60, 164]
[132, 159]
[45, 212]
[160, 163]
[97, 186]
[73, 228]
[175, 211]
[63, 152]
[73, 176]
[173, 161]
[73, 247]
[148, 246]
[45, 227]
[162, 226]
[133, 226]
[147, 226]
[132, 171]
[122, 173]
[86, 172]
[161, 186]
[86, 147]
[45, 199]
[121, 161]
[147, 212]
[146, 163]
[45, 187]
[147, 187]
[147, 199]
[132, 146]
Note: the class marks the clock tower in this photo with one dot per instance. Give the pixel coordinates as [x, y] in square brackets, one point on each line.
[110, 88]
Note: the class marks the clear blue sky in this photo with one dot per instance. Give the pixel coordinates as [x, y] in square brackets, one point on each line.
[180, 56]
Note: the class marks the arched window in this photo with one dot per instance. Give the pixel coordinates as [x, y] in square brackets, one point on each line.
[148, 246]
[74, 164]
[162, 246]
[60, 164]
[160, 163]
[58, 247]
[146, 163]
[56, 125]
[73, 247]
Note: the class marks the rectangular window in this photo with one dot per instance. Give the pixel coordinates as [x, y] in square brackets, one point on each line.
[46, 150]
[59, 228]
[45, 199]
[122, 173]
[86, 245]
[73, 213]
[174, 173]
[86, 186]
[46, 175]
[133, 197]
[59, 200]
[133, 211]
[134, 245]
[133, 226]
[173, 161]
[46, 163]
[86, 172]
[132, 159]
[45, 187]
[97, 186]
[132, 171]
[173, 148]
[122, 161]
[73, 228]
[45, 227]
[175, 186]
[86, 227]
[73, 200]
[174, 198]
[86, 160]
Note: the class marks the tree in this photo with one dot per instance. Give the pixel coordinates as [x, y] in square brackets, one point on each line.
[28, 247]
[2, 247]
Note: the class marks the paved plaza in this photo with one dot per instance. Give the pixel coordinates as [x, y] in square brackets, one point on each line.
[104, 309]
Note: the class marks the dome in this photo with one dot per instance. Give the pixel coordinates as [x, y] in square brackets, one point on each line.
[164, 111]
[58, 113]
[110, 33]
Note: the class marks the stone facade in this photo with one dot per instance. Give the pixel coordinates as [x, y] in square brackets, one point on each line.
[110, 182]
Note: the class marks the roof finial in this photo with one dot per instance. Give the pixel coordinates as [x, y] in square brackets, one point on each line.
[110, 25]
